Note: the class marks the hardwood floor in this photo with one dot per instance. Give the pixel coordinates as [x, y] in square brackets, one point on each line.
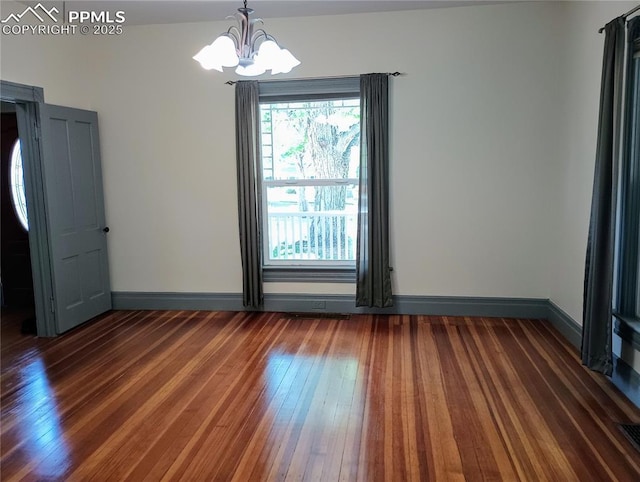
[151, 395]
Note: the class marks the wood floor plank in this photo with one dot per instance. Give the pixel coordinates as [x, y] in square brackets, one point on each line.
[192, 395]
[601, 433]
[514, 410]
[89, 425]
[259, 454]
[438, 453]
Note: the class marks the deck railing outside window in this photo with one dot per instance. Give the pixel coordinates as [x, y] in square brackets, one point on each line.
[327, 236]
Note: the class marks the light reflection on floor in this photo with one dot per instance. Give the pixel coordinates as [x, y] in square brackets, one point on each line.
[40, 430]
[334, 386]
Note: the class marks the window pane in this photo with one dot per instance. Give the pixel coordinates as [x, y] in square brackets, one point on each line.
[18, 195]
[634, 157]
[312, 146]
[311, 140]
[312, 223]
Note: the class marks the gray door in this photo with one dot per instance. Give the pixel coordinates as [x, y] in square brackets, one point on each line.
[75, 215]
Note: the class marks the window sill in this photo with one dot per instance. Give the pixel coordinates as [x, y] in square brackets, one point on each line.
[628, 329]
[309, 275]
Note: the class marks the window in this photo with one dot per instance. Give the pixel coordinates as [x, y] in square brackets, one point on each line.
[17, 185]
[628, 302]
[318, 246]
[634, 157]
[310, 154]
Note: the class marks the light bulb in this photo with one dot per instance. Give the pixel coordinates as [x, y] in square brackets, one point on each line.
[224, 49]
[268, 54]
[207, 59]
[221, 53]
[250, 70]
[284, 63]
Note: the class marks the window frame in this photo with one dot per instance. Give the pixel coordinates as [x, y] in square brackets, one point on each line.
[634, 159]
[627, 281]
[290, 91]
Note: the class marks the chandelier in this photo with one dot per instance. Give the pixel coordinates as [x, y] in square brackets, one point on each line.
[238, 47]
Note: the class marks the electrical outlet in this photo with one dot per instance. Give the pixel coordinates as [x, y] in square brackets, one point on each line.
[319, 305]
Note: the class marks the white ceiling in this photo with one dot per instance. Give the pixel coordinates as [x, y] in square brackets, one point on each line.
[145, 12]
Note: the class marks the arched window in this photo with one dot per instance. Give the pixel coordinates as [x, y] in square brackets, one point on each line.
[17, 185]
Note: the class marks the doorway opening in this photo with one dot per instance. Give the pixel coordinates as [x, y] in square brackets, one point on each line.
[16, 288]
[65, 204]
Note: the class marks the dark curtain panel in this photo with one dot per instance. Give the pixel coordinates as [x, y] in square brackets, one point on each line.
[372, 258]
[599, 268]
[247, 153]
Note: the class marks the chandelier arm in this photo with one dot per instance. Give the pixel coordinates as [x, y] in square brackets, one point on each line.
[257, 35]
[235, 34]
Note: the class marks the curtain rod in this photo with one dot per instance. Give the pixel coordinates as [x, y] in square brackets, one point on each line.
[624, 17]
[392, 74]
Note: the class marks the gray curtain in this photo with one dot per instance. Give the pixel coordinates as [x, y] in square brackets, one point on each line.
[599, 266]
[373, 272]
[247, 153]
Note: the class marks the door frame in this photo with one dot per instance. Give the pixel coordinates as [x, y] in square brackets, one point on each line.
[28, 100]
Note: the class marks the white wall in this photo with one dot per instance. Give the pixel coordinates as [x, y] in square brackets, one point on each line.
[475, 138]
[59, 64]
[493, 134]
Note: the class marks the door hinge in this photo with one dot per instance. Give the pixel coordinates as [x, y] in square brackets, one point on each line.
[53, 305]
[36, 131]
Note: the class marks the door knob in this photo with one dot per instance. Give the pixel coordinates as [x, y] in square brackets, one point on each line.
[106, 229]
